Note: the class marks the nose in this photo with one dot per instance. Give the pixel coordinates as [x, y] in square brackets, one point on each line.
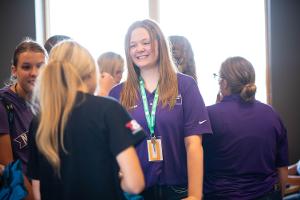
[34, 71]
[140, 48]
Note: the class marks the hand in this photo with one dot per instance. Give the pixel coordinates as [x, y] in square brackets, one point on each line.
[1, 169]
[106, 82]
[120, 175]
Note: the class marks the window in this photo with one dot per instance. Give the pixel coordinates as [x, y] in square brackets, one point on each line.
[216, 29]
[98, 25]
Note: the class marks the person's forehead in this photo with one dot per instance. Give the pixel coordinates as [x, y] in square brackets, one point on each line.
[139, 34]
[31, 56]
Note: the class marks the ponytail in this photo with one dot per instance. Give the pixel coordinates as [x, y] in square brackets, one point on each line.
[248, 92]
[59, 82]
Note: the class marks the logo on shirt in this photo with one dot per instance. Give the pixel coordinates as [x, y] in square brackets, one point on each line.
[201, 122]
[133, 126]
[22, 140]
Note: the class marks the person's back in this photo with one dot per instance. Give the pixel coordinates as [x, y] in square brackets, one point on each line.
[248, 147]
[240, 155]
[80, 142]
[89, 169]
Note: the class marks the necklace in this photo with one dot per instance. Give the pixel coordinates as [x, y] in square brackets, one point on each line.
[16, 89]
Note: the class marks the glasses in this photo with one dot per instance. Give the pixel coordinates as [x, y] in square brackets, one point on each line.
[217, 77]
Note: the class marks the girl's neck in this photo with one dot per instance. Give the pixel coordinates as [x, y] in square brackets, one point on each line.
[151, 78]
[21, 92]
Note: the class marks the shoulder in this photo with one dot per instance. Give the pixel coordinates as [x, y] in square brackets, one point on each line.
[183, 78]
[116, 91]
[268, 110]
[5, 92]
[9, 96]
[5, 97]
[215, 107]
[264, 107]
[94, 100]
[100, 103]
[185, 81]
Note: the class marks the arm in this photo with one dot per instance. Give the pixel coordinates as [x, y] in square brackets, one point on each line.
[193, 145]
[293, 177]
[6, 157]
[1, 169]
[36, 189]
[132, 179]
[283, 174]
[292, 169]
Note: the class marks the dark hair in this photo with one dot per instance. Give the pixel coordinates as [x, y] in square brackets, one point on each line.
[53, 40]
[240, 76]
[27, 45]
[183, 55]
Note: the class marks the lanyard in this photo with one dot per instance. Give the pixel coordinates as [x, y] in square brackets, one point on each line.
[149, 117]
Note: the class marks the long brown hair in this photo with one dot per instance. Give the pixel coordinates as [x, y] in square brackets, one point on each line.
[168, 78]
[183, 55]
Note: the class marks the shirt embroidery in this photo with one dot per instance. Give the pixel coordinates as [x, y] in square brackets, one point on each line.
[133, 126]
[22, 140]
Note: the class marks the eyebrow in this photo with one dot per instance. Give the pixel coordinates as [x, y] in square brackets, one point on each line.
[142, 40]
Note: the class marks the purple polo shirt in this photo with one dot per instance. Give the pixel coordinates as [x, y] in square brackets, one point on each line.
[188, 117]
[22, 119]
[248, 144]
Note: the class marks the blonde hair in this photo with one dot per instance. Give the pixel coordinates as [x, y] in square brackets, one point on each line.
[168, 78]
[69, 65]
[109, 62]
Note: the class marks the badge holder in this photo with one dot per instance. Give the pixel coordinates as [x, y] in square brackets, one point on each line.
[154, 148]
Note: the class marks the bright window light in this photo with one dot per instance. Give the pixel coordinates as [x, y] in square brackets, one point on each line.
[98, 25]
[219, 29]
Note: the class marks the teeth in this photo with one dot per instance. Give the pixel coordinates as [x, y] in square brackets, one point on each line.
[141, 57]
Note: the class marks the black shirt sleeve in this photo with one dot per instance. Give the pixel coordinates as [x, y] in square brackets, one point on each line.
[123, 130]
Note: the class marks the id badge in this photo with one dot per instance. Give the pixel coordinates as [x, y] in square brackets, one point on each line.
[154, 150]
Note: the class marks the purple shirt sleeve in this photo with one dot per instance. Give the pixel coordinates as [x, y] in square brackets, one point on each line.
[196, 119]
[4, 126]
[282, 148]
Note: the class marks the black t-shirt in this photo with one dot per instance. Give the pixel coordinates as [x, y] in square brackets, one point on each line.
[98, 129]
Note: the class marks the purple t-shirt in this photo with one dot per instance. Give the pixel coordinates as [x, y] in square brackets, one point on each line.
[22, 119]
[188, 117]
[248, 144]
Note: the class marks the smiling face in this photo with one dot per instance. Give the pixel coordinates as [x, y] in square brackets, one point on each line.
[142, 52]
[27, 70]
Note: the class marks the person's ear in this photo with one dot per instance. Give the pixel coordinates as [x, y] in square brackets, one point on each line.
[224, 87]
[225, 83]
[14, 71]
